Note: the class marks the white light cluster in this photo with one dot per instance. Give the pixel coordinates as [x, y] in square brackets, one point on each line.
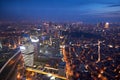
[34, 39]
[22, 48]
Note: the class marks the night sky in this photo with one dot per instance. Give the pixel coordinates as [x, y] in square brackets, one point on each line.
[61, 10]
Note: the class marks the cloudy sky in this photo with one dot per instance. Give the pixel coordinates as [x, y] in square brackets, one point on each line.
[61, 10]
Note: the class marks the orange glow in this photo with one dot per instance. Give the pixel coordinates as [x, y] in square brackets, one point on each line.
[33, 74]
[105, 68]
[69, 71]
[109, 58]
[101, 71]
[28, 79]
[73, 66]
[77, 75]
[19, 42]
[102, 77]
[41, 72]
[99, 75]
[18, 76]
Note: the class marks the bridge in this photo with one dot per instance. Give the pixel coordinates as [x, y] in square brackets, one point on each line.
[45, 73]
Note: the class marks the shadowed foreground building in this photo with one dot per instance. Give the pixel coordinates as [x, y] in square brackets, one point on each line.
[13, 69]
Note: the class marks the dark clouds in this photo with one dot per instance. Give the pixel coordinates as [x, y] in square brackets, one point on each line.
[114, 5]
[60, 10]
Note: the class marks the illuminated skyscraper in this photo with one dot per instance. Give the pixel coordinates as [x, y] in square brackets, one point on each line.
[50, 40]
[0, 45]
[28, 54]
[99, 57]
[106, 25]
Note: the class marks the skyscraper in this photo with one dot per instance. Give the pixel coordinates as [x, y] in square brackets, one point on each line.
[28, 54]
[99, 57]
[106, 25]
[0, 45]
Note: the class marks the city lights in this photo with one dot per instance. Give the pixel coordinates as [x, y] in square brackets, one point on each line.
[34, 39]
[22, 48]
[59, 39]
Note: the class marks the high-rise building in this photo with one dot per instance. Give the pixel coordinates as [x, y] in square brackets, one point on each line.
[99, 55]
[28, 54]
[0, 45]
[106, 25]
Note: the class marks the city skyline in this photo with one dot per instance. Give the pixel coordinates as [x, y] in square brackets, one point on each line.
[60, 10]
[59, 39]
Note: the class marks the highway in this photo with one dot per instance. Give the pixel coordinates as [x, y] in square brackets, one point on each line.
[8, 70]
[46, 73]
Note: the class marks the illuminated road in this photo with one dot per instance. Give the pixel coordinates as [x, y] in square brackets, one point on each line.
[10, 68]
[41, 72]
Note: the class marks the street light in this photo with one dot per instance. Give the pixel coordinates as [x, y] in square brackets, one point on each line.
[52, 78]
[49, 75]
